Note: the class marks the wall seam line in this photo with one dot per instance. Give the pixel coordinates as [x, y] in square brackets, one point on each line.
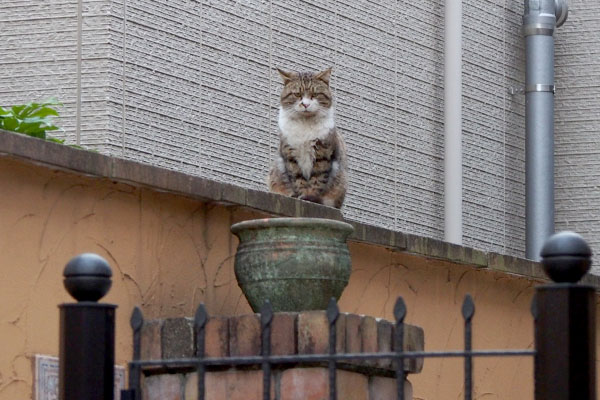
[200, 83]
[123, 78]
[504, 94]
[79, 57]
[396, 158]
[270, 160]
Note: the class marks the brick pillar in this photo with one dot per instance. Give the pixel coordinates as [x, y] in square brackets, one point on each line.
[292, 333]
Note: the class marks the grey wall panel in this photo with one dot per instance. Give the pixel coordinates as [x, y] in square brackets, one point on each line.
[577, 151]
[115, 88]
[483, 124]
[419, 118]
[365, 85]
[161, 83]
[93, 79]
[514, 143]
[235, 92]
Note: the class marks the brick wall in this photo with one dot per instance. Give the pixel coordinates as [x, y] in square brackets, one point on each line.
[292, 333]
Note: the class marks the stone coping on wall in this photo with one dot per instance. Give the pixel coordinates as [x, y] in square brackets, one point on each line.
[90, 163]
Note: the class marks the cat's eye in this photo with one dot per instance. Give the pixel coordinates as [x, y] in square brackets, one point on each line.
[298, 94]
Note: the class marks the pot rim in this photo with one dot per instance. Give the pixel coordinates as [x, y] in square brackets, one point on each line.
[278, 222]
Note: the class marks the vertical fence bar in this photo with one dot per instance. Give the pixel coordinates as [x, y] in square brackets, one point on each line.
[200, 319]
[135, 384]
[134, 392]
[87, 332]
[266, 317]
[399, 315]
[468, 310]
[565, 323]
[333, 313]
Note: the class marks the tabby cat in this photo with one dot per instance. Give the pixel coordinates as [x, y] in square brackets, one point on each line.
[311, 161]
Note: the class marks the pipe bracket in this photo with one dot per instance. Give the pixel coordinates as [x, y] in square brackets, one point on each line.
[540, 88]
[516, 90]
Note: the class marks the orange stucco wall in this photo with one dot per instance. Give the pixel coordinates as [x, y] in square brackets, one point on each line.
[169, 253]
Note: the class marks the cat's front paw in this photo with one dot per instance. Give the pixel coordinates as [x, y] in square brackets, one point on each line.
[311, 198]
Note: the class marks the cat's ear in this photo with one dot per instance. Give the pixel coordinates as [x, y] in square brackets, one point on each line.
[286, 76]
[324, 75]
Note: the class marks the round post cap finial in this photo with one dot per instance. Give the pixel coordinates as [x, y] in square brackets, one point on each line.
[87, 277]
[566, 257]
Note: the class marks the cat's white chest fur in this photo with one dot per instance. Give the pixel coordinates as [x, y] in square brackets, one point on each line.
[300, 134]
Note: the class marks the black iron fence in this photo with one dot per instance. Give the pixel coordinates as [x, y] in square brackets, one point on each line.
[564, 320]
[267, 361]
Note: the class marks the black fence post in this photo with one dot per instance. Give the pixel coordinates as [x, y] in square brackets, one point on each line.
[564, 313]
[87, 332]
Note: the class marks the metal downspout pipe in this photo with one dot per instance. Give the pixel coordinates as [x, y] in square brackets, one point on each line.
[540, 19]
[453, 229]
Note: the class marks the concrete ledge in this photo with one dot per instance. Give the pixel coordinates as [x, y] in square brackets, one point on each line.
[514, 265]
[451, 252]
[57, 156]
[90, 163]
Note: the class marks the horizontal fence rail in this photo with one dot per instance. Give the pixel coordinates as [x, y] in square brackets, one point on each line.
[178, 363]
[266, 361]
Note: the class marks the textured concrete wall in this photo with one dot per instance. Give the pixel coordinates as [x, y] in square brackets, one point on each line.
[577, 126]
[493, 126]
[191, 85]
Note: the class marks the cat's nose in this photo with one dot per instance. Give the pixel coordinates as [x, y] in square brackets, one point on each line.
[305, 105]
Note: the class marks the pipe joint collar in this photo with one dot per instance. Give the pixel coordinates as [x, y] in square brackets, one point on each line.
[538, 29]
[541, 17]
[539, 23]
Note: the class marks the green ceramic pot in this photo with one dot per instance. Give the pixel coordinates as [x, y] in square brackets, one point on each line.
[298, 264]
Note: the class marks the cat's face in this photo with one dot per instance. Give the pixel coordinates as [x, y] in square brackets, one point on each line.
[306, 94]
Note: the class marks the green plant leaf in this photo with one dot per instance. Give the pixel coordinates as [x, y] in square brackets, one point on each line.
[32, 108]
[44, 112]
[10, 124]
[51, 101]
[18, 109]
[33, 119]
[33, 129]
[55, 140]
[27, 110]
[52, 128]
